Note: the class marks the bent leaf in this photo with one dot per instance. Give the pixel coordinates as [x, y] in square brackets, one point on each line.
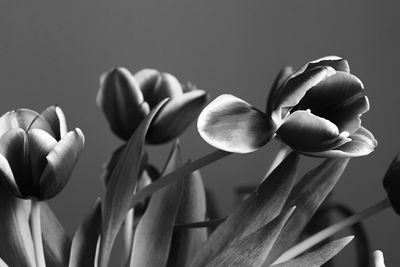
[16, 247]
[192, 208]
[307, 196]
[119, 192]
[56, 242]
[154, 231]
[320, 256]
[257, 210]
[83, 249]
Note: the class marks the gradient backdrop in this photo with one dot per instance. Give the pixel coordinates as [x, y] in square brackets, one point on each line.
[53, 53]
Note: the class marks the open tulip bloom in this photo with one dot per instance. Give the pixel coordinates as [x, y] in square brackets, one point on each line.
[315, 110]
[164, 218]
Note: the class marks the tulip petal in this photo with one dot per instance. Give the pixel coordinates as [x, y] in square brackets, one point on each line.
[14, 147]
[296, 87]
[40, 145]
[167, 86]
[56, 118]
[8, 176]
[60, 163]
[339, 98]
[280, 79]
[122, 102]
[304, 131]
[362, 143]
[147, 79]
[338, 63]
[20, 118]
[232, 125]
[176, 116]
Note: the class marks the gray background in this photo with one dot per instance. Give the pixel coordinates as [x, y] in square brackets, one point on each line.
[53, 53]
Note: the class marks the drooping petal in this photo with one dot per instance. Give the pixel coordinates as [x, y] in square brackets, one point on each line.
[231, 124]
[14, 147]
[20, 118]
[362, 143]
[56, 118]
[167, 86]
[60, 163]
[296, 87]
[176, 116]
[40, 145]
[280, 79]
[339, 98]
[122, 102]
[338, 63]
[304, 131]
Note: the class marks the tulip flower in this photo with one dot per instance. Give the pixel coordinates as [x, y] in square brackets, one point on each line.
[315, 111]
[37, 154]
[127, 99]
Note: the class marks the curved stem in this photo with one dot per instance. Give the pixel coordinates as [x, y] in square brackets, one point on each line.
[331, 230]
[178, 174]
[36, 230]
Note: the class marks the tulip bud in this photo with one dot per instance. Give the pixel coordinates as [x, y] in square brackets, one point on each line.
[37, 154]
[391, 183]
[122, 102]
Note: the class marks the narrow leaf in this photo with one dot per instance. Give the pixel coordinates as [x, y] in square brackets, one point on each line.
[257, 210]
[83, 249]
[153, 234]
[307, 196]
[252, 249]
[56, 242]
[192, 208]
[119, 192]
[320, 256]
[16, 247]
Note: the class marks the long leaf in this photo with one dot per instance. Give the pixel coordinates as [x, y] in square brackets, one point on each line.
[307, 196]
[56, 242]
[192, 208]
[153, 234]
[83, 249]
[252, 250]
[16, 247]
[119, 192]
[257, 210]
[320, 256]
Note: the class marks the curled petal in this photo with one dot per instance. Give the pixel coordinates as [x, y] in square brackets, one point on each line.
[14, 147]
[122, 102]
[60, 163]
[362, 143]
[20, 118]
[280, 79]
[176, 116]
[40, 144]
[338, 63]
[306, 132]
[296, 87]
[339, 98]
[56, 118]
[231, 124]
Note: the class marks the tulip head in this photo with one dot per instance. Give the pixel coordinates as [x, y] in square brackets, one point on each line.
[37, 154]
[391, 183]
[315, 110]
[126, 99]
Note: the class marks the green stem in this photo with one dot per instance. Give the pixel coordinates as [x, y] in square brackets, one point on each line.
[331, 230]
[36, 230]
[178, 174]
[127, 237]
[209, 223]
[283, 151]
